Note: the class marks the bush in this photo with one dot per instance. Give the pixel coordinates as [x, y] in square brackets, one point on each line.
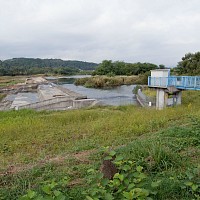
[108, 81]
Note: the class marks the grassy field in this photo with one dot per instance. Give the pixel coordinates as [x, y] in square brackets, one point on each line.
[39, 146]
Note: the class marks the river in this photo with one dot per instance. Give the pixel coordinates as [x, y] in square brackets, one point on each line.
[121, 95]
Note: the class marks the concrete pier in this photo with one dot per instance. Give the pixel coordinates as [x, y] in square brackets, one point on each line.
[161, 99]
[160, 80]
[179, 97]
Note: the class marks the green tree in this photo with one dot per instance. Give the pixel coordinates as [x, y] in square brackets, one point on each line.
[28, 66]
[108, 67]
[161, 66]
[190, 64]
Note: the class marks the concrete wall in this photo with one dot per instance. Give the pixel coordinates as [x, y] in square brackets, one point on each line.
[63, 105]
[83, 103]
[170, 102]
[49, 104]
[60, 103]
[179, 97]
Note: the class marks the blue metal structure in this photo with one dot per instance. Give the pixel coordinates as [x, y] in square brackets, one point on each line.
[180, 82]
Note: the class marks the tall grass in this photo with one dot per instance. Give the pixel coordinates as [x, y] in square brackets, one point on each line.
[162, 141]
[28, 136]
[105, 81]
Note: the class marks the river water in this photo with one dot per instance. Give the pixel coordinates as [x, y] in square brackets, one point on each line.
[121, 95]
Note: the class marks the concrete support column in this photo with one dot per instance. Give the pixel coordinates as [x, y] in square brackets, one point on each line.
[178, 96]
[161, 99]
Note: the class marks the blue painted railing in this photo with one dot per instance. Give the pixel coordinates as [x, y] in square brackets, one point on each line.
[180, 82]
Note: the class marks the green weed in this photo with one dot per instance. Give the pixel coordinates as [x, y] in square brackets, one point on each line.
[163, 142]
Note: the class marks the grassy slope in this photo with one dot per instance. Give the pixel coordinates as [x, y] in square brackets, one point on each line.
[29, 138]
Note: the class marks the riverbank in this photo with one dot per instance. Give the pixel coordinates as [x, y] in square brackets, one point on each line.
[40, 146]
[106, 81]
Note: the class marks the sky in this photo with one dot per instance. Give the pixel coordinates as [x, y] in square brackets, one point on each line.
[156, 31]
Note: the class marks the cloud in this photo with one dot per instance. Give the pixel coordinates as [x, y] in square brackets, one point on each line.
[155, 31]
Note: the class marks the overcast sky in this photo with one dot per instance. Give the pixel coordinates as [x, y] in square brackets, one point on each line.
[157, 31]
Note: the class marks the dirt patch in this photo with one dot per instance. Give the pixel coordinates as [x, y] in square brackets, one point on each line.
[82, 157]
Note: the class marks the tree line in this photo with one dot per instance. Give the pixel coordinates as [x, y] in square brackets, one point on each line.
[28, 66]
[189, 65]
[108, 67]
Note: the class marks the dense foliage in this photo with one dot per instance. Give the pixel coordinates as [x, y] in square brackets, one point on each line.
[107, 82]
[28, 66]
[190, 64]
[107, 67]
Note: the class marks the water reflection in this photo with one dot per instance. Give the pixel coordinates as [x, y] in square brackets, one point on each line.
[121, 95]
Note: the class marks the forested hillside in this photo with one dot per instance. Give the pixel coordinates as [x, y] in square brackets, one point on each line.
[27, 66]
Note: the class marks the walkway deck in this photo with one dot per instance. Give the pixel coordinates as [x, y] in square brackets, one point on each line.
[180, 82]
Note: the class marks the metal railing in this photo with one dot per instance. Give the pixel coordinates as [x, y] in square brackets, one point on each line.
[180, 82]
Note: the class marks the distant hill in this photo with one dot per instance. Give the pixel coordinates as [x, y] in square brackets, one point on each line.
[26, 66]
[37, 62]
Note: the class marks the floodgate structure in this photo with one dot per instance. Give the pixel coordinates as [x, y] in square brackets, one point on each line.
[167, 86]
[50, 96]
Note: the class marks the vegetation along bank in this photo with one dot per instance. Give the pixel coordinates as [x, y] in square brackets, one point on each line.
[49, 155]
